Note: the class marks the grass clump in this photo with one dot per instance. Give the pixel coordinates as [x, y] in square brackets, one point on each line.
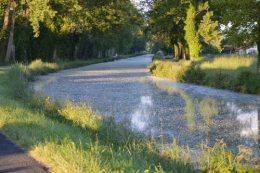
[38, 67]
[220, 159]
[16, 82]
[165, 69]
[82, 116]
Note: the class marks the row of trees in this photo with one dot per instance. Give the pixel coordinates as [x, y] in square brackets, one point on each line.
[70, 29]
[82, 29]
[193, 26]
[186, 26]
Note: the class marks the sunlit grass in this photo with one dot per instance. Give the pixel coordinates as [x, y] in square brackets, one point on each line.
[165, 69]
[234, 72]
[229, 64]
[40, 68]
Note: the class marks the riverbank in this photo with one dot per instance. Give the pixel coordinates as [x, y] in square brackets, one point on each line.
[236, 73]
[56, 134]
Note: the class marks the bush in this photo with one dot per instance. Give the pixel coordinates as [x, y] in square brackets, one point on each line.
[191, 74]
[247, 82]
[162, 68]
[219, 80]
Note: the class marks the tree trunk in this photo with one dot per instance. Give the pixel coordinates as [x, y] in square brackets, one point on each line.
[4, 40]
[258, 57]
[180, 50]
[258, 39]
[75, 52]
[176, 51]
[11, 38]
[54, 56]
[6, 18]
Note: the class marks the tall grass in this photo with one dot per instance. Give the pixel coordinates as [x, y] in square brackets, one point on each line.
[73, 138]
[229, 64]
[38, 67]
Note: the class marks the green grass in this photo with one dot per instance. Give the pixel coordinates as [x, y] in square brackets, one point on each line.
[228, 64]
[236, 73]
[74, 138]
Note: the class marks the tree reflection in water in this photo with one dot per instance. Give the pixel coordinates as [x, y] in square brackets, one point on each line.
[210, 117]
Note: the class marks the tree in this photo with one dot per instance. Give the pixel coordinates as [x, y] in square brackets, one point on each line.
[179, 23]
[209, 31]
[241, 20]
[191, 33]
[166, 21]
[50, 29]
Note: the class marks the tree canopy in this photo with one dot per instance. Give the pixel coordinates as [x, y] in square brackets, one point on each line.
[81, 29]
[241, 20]
[185, 25]
[68, 29]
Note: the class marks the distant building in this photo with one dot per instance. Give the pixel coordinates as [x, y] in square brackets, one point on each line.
[249, 51]
[252, 50]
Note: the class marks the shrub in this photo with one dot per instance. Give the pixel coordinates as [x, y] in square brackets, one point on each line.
[166, 69]
[247, 82]
[219, 80]
[191, 74]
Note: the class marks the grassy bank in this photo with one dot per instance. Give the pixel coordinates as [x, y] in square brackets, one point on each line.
[74, 138]
[236, 73]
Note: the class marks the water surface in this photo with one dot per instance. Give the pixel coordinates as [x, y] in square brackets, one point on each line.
[163, 108]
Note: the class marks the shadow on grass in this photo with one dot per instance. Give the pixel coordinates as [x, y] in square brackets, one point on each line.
[112, 146]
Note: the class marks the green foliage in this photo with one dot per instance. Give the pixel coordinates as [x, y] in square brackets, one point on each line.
[166, 69]
[82, 116]
[231, 72]
[208, 30]
[243, 26]
[73, 29]
[40, 11]
[220, 159]
[219, 80]
[184, 25]
[247, 82]
[3, 35]
[191, 74]
[38, 67]
[191, 33]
